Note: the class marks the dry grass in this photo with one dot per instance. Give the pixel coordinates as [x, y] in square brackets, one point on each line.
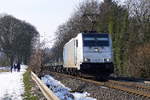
[4, 71]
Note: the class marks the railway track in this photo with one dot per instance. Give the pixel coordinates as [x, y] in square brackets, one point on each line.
[131, 88]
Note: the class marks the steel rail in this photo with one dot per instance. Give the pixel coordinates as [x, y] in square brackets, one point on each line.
[129, 90]
[129, 84]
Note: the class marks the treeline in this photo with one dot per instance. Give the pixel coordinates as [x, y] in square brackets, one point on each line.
[17, 39]
[129, 25]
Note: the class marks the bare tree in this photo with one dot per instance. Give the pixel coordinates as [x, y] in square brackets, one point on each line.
[139, 10]
[16, 38]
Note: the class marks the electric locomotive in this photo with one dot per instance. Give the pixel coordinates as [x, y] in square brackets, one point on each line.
[89, 53]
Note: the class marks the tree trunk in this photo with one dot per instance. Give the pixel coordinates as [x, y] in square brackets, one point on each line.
[11, 60]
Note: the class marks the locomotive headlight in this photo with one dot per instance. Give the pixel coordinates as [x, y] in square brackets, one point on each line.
[107, 60]
[96, 49]
[86, 60]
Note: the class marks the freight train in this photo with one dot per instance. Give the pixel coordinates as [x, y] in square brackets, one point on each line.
[89, 53]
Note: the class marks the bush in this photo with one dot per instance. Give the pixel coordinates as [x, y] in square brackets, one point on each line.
[139, 61]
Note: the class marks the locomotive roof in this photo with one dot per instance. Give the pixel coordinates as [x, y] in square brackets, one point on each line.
[95, 34]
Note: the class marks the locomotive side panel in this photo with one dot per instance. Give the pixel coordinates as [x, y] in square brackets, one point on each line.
[79, 50]
[69, 54]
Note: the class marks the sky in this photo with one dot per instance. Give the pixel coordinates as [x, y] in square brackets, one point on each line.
[45, 15]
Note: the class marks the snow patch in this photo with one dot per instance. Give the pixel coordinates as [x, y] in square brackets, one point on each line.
[64, 92]
[5, 68]
[12, 86]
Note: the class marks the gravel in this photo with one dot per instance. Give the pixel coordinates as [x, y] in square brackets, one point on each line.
[98, 92]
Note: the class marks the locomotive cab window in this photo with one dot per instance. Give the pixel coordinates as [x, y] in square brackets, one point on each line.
[95, 40]
[76, 43]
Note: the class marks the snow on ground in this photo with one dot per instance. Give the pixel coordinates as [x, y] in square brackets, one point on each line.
[64, 92]
[5, 68]
[11, 84]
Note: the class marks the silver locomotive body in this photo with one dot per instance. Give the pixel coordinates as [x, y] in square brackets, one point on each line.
[89, 53]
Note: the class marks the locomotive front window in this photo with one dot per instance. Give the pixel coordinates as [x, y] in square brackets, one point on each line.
[95, 40]
[102, 39]
[89, 38]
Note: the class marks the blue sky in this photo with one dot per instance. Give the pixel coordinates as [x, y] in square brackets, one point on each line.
[45, 15]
